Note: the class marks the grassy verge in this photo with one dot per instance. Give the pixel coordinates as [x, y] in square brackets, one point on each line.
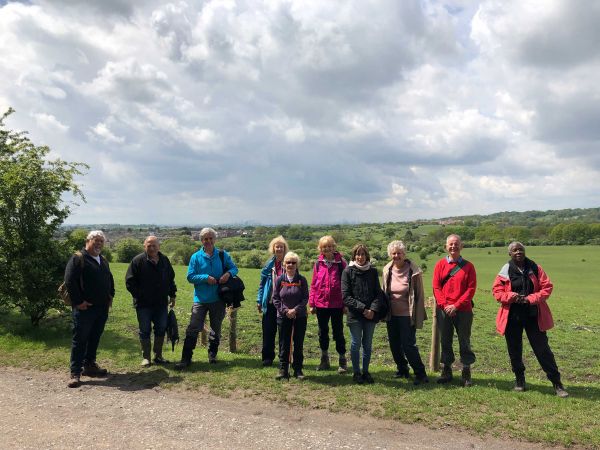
[490, 407]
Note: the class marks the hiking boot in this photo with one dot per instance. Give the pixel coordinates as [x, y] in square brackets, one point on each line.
[446, 376]
[93, 370]
[267, 362]
[183, 364]
[560, 390]
[466, 377]
[343, 365]
[519, 383]
[212, 358]
[421, 379]
[324, 365]
[74, 381]
[357, 378]
[402, 373]
[158, 348]
[282, 375]
[298, 374]
[367, 378]
[186, 357]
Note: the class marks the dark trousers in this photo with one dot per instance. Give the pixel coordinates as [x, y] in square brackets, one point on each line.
[403, 344]
[539, 343]
[216, 314]
[269, 331]
[461, 322]
[148, 316]
[88, 326]
[336, 316]
[291, 330]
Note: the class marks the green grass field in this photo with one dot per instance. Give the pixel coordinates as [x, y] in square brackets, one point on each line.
[489, 407]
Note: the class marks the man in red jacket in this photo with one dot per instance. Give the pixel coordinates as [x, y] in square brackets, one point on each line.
[454, 284]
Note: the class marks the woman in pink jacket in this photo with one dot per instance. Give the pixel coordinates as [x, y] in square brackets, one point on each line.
[325, 300]
[522, 289]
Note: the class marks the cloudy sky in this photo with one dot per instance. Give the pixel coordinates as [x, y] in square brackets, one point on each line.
[302, 111]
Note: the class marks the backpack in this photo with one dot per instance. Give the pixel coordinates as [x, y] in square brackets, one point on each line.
[232, 292]
[63, 292]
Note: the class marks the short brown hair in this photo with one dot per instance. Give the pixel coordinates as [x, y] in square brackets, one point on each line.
[358, 248]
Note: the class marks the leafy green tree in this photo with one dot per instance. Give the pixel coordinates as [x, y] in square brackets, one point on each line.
[107, 253]
[76, 239]
[127, 249]
[31, 210]
[254, 259]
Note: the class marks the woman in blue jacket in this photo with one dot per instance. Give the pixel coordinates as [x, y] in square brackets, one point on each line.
[206, 272]
[278, 247]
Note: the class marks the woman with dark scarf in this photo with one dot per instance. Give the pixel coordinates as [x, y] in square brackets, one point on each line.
[522, 288]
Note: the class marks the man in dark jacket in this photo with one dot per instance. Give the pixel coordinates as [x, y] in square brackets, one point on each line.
[91, 287]
[151, 281]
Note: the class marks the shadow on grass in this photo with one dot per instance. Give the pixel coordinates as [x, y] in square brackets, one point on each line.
[200, 363]
[134, 381]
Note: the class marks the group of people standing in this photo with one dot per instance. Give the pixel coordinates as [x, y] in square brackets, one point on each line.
[338, 288]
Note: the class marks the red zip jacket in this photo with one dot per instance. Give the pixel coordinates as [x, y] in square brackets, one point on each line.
[459, 290]
[542, 288]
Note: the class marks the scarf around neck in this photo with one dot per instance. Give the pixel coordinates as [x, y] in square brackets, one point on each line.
[364, 268]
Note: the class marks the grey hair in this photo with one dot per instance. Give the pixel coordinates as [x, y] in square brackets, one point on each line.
[206, 232]
[514, 244]
[94, 234]
[395, 244]
[151, 238]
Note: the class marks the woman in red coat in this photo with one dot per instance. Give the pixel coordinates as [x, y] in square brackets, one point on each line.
[522, 288]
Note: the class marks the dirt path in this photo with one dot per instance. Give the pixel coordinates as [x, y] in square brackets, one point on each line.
[38, 411]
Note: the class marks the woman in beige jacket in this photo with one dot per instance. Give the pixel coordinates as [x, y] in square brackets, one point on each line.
[403, 284]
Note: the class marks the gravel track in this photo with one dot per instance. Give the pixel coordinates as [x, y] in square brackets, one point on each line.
[38, 411]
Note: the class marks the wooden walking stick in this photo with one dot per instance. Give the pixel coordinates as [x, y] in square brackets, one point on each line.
[434, 355]
[232, 330]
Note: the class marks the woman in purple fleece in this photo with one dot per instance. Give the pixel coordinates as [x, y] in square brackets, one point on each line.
[290, 297]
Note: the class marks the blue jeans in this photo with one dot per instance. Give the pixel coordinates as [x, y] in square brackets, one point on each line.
[361, 332]
[148, 316]
[88, 326]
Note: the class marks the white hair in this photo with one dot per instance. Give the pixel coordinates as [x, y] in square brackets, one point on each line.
[395, 245]
[94, 234]
[207, 231]
[291, 256]
[514, 244]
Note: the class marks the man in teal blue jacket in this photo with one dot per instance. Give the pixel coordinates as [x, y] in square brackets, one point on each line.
[206, 272]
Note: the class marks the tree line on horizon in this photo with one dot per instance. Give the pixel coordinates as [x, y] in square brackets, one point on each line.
[35, 246]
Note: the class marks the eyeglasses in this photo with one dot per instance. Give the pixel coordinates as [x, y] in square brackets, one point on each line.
[291, 262]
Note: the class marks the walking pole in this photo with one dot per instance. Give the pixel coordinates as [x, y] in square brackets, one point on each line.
[434, 356]
[290, 358]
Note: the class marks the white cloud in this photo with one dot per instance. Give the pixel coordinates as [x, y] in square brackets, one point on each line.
[102, 131]
[365, 110]
[48, 122]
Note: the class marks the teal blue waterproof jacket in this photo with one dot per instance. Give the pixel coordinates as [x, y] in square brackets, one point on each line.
[201, 267]
[265, 288]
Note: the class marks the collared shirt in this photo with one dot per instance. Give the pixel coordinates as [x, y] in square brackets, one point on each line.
[450, 260]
